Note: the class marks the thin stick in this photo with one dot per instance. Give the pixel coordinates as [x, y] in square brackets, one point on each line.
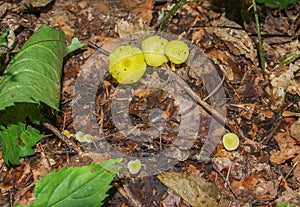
[99, 49]
[225, 180]
[294, 166]
[71, 145]
[202, 103]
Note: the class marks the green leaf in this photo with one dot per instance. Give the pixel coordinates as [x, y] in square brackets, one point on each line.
[19, 113]
[34, 74]
[75, 45]
[76, 186]
[3, 38]
[17, 141]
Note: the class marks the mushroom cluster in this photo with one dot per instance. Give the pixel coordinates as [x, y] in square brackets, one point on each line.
[127, 64]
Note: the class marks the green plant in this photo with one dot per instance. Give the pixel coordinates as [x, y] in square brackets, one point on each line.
[260, 49]
[281, 4]
[76, 186]
[295, 55]
[283, 204]
[31, 80]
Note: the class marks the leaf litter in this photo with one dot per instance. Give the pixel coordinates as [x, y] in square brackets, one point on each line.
[262, 108]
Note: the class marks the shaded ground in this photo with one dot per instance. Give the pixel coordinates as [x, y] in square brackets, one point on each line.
[261, 107]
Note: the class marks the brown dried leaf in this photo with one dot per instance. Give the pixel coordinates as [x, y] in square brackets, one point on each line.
[193, 189]
[141, 8]
[295, 130]
[124, 27]
[288, 148]
[282, 81]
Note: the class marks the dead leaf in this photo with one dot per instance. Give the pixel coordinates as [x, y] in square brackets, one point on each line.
[141, 8]
[295, 130]
[282, 81]
[193, 189]
[33, 4]
[124, 27]
[288, 148]
[290, 113]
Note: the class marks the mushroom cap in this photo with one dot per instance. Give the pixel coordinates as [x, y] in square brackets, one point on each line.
[88, 138]
[79, 136]
[177, 51]
[127, 64]
[153, 49]
[66, 133]
[134, 166]
[231, 141]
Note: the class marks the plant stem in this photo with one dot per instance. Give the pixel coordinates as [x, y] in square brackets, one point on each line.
[171, 13]
[260, 49]
[290, 57]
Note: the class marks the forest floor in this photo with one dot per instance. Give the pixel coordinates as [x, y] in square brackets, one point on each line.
[261, 106]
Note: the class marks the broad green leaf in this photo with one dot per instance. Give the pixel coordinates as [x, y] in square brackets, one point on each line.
[17, 141]
[34, 74]
[76, 186]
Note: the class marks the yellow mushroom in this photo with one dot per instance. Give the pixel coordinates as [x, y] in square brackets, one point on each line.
[66, 133]
[231, 141]
[127, 64]
[88, 138]
[79, 136]
[177, 51]
[153, 49]
[134, 166]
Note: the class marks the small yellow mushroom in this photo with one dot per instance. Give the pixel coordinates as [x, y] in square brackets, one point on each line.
[79, 136]
[231, 141]
[88, 138]
[66, 133]
[127, 64]
[177, 51]
[153, 49]
[134, 166]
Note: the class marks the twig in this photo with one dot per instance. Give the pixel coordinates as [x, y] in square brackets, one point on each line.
[215, 90]
[99, 49]
[225, 180]
[294, 166]
[260, 49]
[202, 103]
[277, 124]
[71, 145]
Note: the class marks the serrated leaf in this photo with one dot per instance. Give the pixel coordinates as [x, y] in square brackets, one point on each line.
[76, 186]
[34, 74]
[17, 141]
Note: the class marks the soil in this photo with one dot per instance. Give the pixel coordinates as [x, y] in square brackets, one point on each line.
[171, 111]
